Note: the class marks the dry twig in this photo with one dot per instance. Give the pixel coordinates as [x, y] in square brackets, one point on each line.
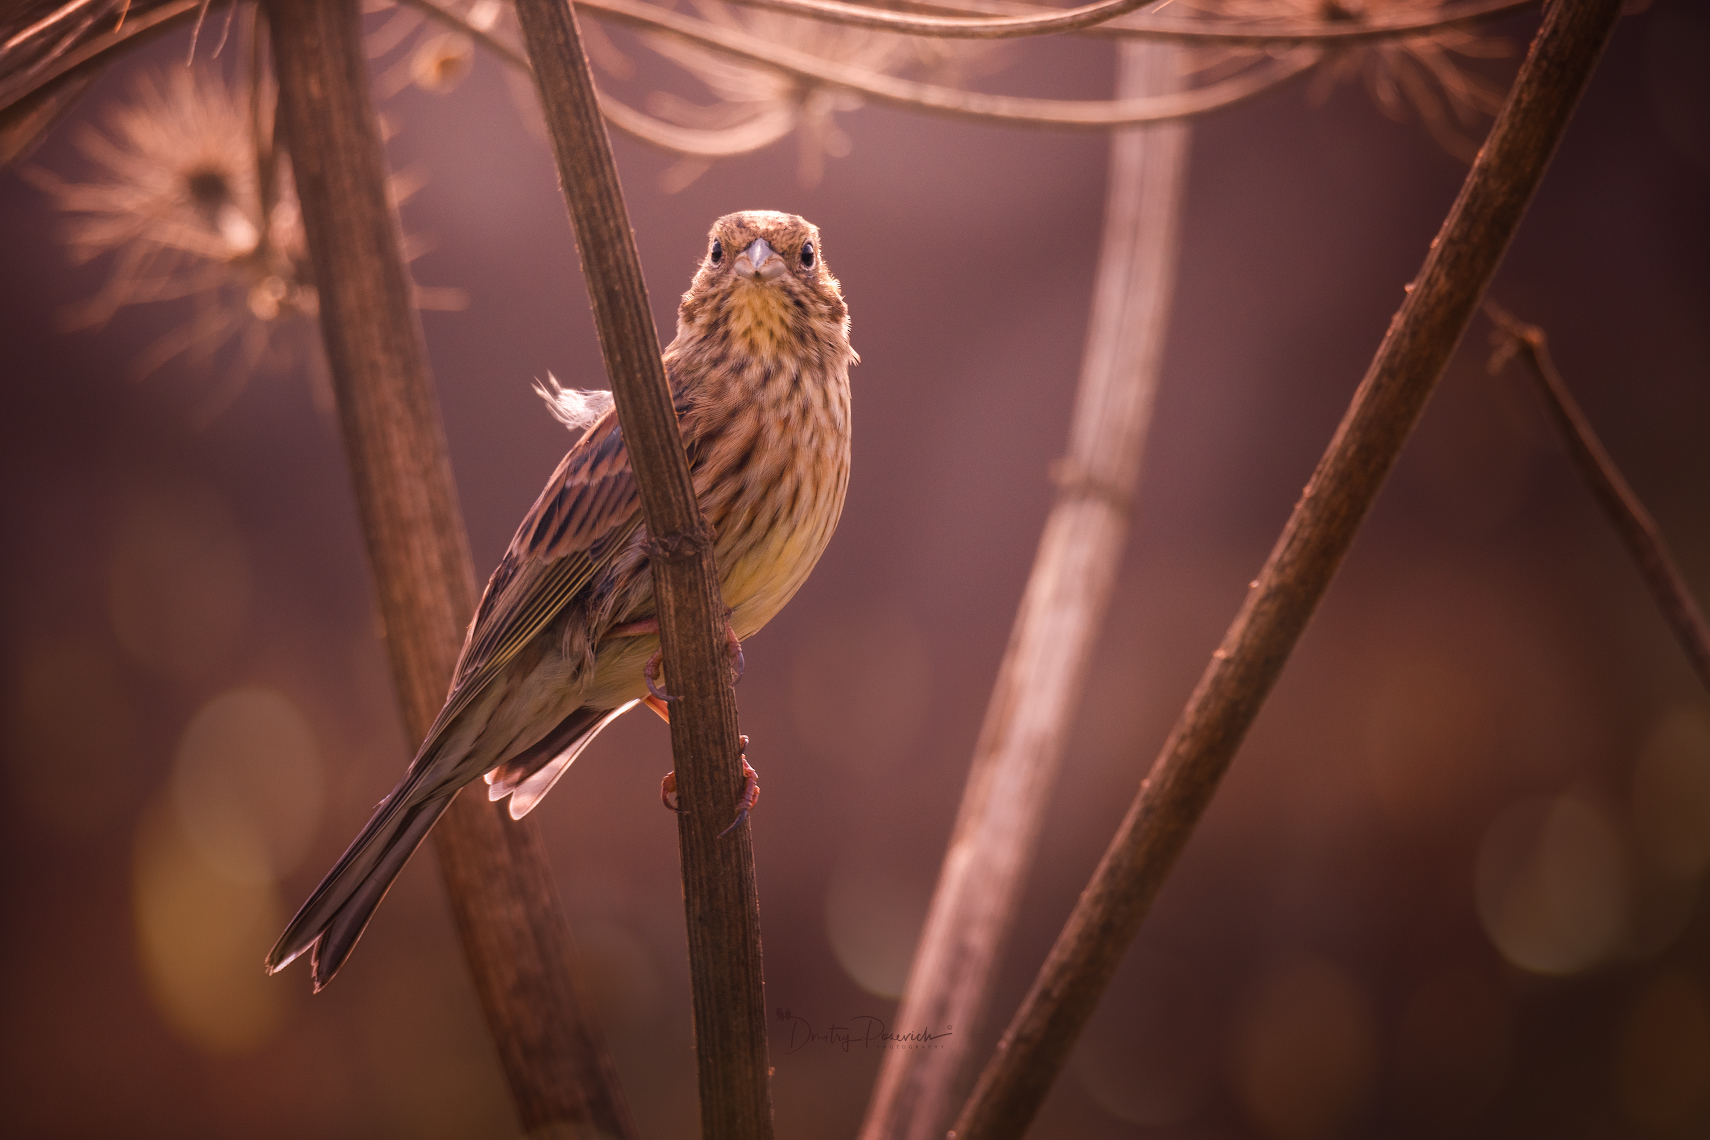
[1005, 19]
[1412, 357]
[513, 927]
[79, 54]
[94, 51]
[721, 901]
[1013, 110]
[911, 95]
[1021, 744]
[1638, 531]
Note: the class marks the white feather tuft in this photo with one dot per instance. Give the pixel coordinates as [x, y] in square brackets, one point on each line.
[575, 408]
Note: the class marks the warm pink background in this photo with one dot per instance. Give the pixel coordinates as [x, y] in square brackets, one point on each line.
[1486, 610]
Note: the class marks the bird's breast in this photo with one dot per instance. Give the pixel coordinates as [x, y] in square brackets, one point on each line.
[771, 478]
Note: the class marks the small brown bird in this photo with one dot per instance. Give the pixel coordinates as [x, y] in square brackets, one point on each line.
[565, 638]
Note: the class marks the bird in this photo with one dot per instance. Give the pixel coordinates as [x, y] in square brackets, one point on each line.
[565, 638]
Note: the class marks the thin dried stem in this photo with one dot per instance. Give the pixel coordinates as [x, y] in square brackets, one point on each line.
[1038, 690]
[92, 52]
[812, 70]
[720, 899]
[513, 927]
[1421, 338]
[1010, 109]
[1005, 19]
[727, 142]
[1638, 531]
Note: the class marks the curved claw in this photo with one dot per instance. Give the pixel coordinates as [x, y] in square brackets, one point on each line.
[651, 673]
[668, 789]
[750, 793]
[735, 647]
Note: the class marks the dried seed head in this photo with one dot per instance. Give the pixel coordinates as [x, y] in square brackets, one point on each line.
[1425, 73]
[441, 62]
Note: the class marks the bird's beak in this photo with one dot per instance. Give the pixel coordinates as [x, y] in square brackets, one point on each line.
[759, 262]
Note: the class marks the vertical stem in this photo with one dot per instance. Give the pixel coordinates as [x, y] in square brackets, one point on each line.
[1421, 338]
[1021, 744]
[513, 926]
[720, 899]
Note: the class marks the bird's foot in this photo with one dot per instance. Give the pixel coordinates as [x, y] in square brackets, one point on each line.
[737, 664]
[651, 673]
[668, 789]
[745, 804]
[750, 793]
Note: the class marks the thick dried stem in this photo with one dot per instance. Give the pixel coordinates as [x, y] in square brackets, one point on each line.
[721, 901]
[1412, 357]
[512, 924]
[1638, 530]
[1038, 689]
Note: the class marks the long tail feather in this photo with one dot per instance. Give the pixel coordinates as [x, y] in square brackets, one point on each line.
[334, 916]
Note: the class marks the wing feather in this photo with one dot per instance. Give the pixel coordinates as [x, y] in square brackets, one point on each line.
[583, 517]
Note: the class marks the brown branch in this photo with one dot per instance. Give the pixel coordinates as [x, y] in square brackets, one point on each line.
[1003, 19]
[1414, 353]
[720, 899]
[512, 923]
[1638, 531]
[1021, 744]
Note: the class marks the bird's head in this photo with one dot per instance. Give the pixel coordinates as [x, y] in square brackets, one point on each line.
[763, 282]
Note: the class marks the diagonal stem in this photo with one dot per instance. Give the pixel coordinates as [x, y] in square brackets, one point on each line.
[1021, 744]
[1638, 531]
[1411, 359]
[720, 898]
[513, 927]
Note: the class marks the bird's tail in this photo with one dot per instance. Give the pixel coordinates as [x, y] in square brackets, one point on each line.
[530, 775]
[335, 915]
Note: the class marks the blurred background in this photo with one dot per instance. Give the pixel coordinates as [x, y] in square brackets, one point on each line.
[1452, 885]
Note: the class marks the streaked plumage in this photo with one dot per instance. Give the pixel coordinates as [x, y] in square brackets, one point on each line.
[759, 377]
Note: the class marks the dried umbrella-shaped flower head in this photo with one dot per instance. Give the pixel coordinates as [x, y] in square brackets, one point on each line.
[425, 53]
[1424, 71]
[178, 200]
[194, 202]
[747, 92]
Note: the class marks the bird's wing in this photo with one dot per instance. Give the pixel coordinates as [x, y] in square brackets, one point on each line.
[588, 510]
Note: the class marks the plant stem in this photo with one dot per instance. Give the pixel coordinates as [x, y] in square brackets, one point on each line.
[1638, 531]
[512, 924]
[1004, 19]
[1021, 744]
[720, 898]
[1414, 352]
[976, 106]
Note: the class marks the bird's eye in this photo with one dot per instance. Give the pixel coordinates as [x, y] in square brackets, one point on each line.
[717, 254]
[807, 256]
